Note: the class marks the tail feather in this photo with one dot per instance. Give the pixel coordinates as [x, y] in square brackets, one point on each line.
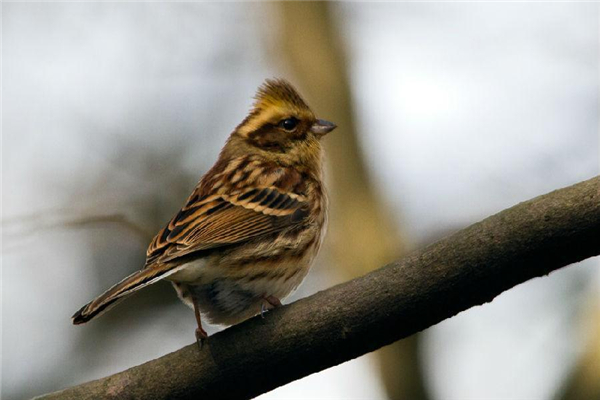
[127, 286]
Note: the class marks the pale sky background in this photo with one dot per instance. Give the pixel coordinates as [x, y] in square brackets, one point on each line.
[464, 109]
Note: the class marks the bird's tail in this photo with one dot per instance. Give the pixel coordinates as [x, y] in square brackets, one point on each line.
[127, 286]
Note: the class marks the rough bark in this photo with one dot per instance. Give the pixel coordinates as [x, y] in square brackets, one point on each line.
[466, 269]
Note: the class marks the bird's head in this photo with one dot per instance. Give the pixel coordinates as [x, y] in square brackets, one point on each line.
[281, 126]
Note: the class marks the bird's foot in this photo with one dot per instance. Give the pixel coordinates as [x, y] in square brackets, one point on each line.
[201, 336]
[269, 303]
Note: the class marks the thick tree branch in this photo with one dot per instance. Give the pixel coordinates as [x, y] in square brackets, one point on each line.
[466, 269]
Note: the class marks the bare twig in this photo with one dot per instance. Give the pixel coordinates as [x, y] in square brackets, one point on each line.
[466, 269]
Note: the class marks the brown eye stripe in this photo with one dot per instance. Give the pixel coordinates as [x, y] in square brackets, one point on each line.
[265, 128]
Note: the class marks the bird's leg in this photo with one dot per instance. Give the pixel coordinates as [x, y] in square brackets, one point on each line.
[201, 334]
[272, 302]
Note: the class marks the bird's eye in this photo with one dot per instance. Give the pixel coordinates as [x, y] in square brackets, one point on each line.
[289, 123]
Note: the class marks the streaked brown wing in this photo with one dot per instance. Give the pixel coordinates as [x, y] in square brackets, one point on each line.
[221, 220]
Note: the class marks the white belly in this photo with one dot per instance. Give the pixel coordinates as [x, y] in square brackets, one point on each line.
[231, 286]
[190, 272]
[228, 295]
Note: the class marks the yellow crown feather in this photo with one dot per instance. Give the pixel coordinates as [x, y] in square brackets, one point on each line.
[275, 99]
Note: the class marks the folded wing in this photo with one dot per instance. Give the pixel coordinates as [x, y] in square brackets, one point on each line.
[222, 220]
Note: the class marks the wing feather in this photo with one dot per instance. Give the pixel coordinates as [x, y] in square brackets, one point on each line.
[207, 222]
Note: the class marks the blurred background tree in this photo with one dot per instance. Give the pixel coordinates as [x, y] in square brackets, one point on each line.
[583, 382]
[364, 234]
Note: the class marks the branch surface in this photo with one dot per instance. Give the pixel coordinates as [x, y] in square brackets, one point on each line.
[466, 269]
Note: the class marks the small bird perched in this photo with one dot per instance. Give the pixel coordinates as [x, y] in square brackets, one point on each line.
[247, 235]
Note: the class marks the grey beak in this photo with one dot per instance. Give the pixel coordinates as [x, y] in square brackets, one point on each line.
[322, 127]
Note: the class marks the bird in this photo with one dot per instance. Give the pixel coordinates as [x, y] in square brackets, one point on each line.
[248, 233]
